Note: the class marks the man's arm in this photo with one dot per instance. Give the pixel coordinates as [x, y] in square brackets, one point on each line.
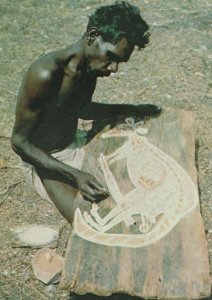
[99, 111]
[30, 107]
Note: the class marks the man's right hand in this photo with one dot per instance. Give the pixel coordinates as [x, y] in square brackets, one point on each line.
[91, 189]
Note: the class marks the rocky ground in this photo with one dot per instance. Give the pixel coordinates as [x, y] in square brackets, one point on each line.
[173, 71]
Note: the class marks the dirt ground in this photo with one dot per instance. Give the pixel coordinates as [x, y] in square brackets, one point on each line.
[173, 71]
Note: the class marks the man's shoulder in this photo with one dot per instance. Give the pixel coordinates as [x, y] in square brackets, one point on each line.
[43, 68]
[50, 64]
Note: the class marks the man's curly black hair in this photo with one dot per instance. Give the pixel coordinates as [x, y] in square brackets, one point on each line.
[118, 20]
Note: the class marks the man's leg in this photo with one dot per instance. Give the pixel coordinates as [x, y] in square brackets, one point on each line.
[64, 197]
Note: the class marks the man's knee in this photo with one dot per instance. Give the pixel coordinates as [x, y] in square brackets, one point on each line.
[63, 196]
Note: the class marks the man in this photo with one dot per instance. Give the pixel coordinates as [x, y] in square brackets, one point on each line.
[57, 90]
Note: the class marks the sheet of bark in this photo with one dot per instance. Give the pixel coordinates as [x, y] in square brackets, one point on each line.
[174, 267]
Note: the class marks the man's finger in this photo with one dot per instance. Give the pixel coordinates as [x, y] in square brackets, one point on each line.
[88, 197]
[97, 186]
[149, 109]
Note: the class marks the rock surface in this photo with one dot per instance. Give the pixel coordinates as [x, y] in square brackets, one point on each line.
[47, 265]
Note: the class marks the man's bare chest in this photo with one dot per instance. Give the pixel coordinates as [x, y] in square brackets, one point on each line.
[65, 104]
[74, 94]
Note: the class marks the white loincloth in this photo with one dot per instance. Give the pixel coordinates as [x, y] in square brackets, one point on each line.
[73, 156]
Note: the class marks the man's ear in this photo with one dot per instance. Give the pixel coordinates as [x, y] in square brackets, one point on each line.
[92, 35]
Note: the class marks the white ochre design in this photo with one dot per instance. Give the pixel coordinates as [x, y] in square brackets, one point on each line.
[163, 194]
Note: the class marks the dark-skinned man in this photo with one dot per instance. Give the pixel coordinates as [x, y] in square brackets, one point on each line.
[58, 89]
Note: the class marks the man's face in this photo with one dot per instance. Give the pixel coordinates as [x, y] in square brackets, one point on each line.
[103, 57]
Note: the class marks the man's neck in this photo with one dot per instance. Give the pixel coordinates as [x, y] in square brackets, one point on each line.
[74, 56]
